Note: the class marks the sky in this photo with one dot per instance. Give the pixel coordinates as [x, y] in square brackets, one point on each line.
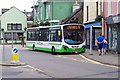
[20, 4]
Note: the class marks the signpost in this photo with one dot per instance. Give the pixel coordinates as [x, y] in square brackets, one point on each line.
[91, 41]
[15, 55]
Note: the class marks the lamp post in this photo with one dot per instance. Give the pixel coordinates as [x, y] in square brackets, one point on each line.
[12, 38]
[91, 41]
[3, 44]
[23, 37]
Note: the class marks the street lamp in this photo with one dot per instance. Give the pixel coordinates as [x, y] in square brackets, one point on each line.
[23, 37]
[3, 44]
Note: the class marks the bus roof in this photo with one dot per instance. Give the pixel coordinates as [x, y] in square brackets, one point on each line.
[54, 26]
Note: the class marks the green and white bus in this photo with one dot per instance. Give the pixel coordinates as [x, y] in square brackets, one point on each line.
[57, 39]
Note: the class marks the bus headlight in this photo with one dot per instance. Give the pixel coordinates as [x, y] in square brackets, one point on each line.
[65, 47]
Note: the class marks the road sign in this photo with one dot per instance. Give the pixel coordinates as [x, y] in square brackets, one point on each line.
[15, 50]
[15, 55]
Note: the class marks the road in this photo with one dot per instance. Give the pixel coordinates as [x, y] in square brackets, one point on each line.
[45, 65]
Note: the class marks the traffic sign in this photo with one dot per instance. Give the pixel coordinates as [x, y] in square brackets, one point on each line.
[15, 50]
[15, 55]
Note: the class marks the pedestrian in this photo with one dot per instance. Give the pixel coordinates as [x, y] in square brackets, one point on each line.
[99, 41]
[104, 44]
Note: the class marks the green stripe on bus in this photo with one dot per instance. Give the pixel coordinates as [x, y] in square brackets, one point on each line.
[54, 44]
[69, 50]
[28, 47]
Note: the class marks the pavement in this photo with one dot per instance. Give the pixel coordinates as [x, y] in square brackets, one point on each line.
[110, 58]
[12, 64]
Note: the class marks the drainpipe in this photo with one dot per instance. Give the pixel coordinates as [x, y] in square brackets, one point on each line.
[52, 12]
[34, 10]
[101, 12]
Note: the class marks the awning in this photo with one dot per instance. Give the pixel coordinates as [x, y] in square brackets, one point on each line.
[113, 19]
[97, 24]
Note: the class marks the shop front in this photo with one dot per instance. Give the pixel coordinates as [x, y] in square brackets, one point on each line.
[113, 26]
[96, 30]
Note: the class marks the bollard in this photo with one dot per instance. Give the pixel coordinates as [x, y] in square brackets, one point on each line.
[15, 55]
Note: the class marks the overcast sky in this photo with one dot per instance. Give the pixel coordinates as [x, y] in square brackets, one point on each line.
[20, 4]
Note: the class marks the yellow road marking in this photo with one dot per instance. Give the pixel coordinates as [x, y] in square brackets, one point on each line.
[98, 62]
[74, 59]
[71, 58]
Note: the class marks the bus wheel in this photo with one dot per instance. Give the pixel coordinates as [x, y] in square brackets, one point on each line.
[53, 51]
[33, 47]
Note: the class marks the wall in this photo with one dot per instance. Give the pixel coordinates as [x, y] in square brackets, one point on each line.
[105, 14]
[61, 10]
[13, 16]
[58, 10]
[0, 29]
[92, 10]
[114, 7]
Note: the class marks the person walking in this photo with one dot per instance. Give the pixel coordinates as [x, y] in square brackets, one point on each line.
[104, 44]
[99, 41]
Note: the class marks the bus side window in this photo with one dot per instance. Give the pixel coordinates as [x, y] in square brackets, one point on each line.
[54, 38]
[59, 36]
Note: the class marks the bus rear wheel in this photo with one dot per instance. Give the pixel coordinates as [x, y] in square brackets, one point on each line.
[53, 51]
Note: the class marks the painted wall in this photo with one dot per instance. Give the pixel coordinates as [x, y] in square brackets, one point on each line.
[13, 16]
[114, 7]
[61, 10]
[58, 10]
[0, 29]
[111, 7]
[105, 9]
[105, 14]
[91, 10]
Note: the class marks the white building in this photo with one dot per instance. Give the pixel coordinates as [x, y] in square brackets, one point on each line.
[14, 21]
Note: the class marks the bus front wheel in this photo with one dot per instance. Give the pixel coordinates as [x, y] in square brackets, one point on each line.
[53, 51]
[33, 47]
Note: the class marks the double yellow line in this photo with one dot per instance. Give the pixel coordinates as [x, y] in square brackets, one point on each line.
[93, 61]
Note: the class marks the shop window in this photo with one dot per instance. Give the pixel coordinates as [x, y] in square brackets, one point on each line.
[112, 38]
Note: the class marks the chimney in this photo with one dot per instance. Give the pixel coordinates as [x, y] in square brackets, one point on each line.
[76, 5]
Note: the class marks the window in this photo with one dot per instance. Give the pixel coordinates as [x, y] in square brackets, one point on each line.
[112, 37]
[31, 35]
[96, 8]
[47, 11]
[19, 27]
[8, 35]
[9, 27]
[44, 34]
[14, 26]
[87, 13]
[118, 10]
[109, 8]
[41, 13]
